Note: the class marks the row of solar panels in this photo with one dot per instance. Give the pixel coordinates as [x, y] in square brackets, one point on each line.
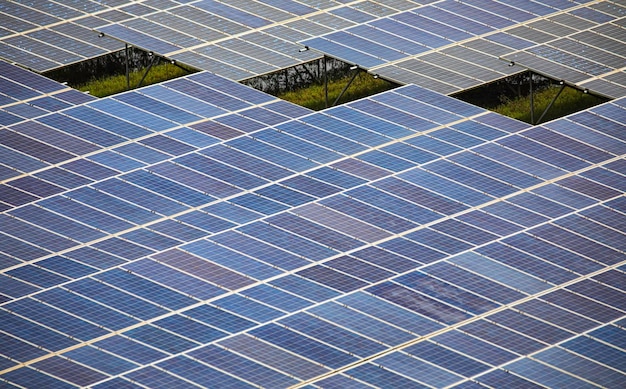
[348, 214]
[450, 46]
[46, 35]
[232, 169]
[103, 129]
[241, 40]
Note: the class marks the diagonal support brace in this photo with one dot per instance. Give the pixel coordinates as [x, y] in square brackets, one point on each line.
[147, 70]
[345, 88]
[551, 103]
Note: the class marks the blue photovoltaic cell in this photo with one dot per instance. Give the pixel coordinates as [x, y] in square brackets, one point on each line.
[100, 360]
[345, 129]
[132, 114]
[361, 323]
[579, 244]
[372, 123]
[593, 231]
[545, 375]
[272, 154]
[107, 122]
[36, 276]
[258, 203]
[201, 374]
[160, 339]
[474, 347]
[15, 288]
[368, 214]
[322, 138]
[28, 377]
[242, 367]
[382, 378]
[122, 248]
[304, 288]
[220, 171]
[84, 214]
[246, 162]
[581, 367]
[500, 273]
[420, 196]
[174, 279]
[260, 250]
[344, 53]
[417, 302]
[472, 282]
[203, 269]
[530, 326]
[331, 278]
[231, 259]
[356, 42]
[144, 288]
[358, 269]
[137, 38]
[445, 292]
[36, 335]
[451, 33]
[151, 376]
[116, 161]
[418, 369]
[439, 241]
[284, 195]
[277, 298]
[444, 186]
[69, 371]
[332, 334]
[303, 346]
[413, 34]
[554, 254]
[526, 263]
[248, 308]
[57, 223]
[446, 358]
[393, 204]
[129, 349]
[18, 350]
[116, 299]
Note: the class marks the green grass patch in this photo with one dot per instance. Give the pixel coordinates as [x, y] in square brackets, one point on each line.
[313, 96]
[111, 85]
[569, 101]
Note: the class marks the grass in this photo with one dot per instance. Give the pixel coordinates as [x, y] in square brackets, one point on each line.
[115, 84]
[569, 101]
[313, 96]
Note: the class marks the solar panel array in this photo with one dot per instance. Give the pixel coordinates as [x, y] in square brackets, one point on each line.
[592, 56]
[450, 46]
[245, 39]
[44, 35]
[191, 234]
[237, 39]
[42, 155]
[24, 95]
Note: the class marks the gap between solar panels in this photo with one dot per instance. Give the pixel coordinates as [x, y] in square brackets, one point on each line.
[531, 97]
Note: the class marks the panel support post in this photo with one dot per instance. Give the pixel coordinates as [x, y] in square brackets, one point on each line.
[147, 70]
[551, 102]
[532, 100]
[127, 71]
[325, 81]
[345, 88]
